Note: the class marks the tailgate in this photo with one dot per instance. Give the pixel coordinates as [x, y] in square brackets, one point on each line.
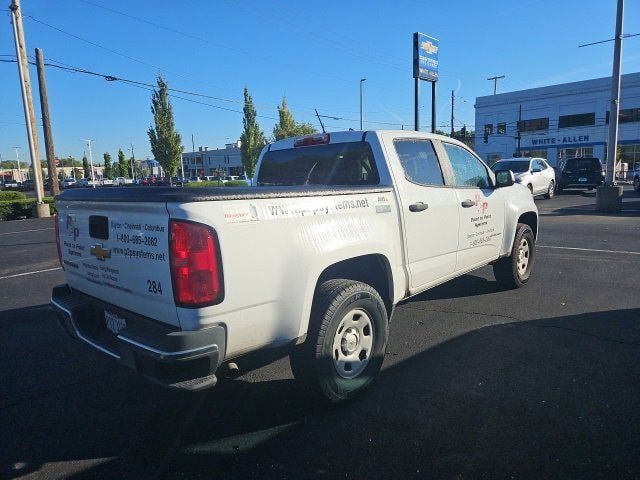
[118, 252]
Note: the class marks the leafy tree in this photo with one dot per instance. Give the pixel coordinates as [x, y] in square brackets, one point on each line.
[85, 167]
[77, 173]
[166, 142]
[252, 138]
[287, 126]
[108, 171]
[122, 163]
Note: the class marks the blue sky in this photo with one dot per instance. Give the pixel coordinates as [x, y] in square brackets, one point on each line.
[312, 52]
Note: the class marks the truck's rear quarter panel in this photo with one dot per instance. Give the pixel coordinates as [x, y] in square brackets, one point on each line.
[274, 250]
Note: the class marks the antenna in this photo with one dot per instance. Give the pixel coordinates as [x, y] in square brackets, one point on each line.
[320, 120]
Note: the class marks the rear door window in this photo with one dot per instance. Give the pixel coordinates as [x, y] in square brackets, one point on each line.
[419, 161]
[350, 163]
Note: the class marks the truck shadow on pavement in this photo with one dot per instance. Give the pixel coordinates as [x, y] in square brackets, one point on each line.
[554, 397]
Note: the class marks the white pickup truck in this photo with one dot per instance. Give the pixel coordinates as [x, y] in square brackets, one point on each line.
[182, 284]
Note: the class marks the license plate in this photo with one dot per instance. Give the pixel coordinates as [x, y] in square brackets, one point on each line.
[582, 179]
[114, 322]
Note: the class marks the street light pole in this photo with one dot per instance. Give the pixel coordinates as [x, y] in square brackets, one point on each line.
[18, 160]
[93, 178]
[362, 80]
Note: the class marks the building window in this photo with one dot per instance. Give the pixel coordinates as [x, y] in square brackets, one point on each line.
[577, 120]
[564, 153]
[534, 153]
[533, 124]
[502, 128]
[627, 115]
[488, 129]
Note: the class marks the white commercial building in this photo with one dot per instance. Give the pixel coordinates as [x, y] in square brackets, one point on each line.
[219, 161]
[558, 122]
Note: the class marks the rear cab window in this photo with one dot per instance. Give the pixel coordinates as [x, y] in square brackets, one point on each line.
[583, 164]
[419, 161]
[349, 163]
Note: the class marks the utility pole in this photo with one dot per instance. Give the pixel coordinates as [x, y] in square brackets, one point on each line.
[133, 164]
[46, 125]
[495, 82]
[452, 103]
[93, 178]
[42, 209]
[609, 196]
[518, 136]
[362, 80]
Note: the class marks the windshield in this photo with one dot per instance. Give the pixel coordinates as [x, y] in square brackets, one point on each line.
[516, 166]
[334, 164]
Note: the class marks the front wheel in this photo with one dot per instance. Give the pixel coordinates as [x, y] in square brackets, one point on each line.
[551, 190]
[514, 271]
[346, 340]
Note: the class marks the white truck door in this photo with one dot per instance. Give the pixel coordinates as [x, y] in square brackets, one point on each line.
[429, 209]
[481, 209]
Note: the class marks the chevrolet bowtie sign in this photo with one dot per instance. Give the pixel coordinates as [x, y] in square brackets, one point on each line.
[99, 252]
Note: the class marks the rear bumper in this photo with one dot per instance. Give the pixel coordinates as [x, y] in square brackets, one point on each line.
[184, 360]
[577, 184]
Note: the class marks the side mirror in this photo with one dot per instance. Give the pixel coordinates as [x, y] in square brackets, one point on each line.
[504, 178]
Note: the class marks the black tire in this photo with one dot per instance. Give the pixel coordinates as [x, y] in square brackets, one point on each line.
[506, 270]
[313, 363]
[636, 184]
[551, 190]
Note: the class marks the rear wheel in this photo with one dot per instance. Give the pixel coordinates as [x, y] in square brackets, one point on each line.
[551, 190]
[514, 271]
[346, 340]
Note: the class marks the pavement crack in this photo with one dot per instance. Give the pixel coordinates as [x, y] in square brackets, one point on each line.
[500, 315]
[588, 334]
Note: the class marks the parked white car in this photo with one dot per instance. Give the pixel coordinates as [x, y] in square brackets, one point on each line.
[68, 183]
[185, 284]
[534, 173]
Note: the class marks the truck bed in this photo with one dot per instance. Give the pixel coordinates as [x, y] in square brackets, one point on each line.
[210, 194]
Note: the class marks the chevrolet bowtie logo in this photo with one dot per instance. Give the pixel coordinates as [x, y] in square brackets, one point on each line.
[99, 252]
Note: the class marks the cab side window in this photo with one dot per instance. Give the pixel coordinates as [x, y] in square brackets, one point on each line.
[419, 161]
[540, 165]
[468, 170]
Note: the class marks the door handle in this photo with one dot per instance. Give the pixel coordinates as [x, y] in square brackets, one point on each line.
[418, 207]
[468, 203]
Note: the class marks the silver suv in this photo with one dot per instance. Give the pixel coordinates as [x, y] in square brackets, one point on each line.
[533, 173]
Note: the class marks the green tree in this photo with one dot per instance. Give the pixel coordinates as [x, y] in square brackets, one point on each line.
[85, 167]
[287, 126]
[108, 171]
[78, 173]
[166, 142]
[252, 138]
[122, 163]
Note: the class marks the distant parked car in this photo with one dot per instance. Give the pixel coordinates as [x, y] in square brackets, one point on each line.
[11, 184]
[636, 181]
[585, 172]
[231, 178]
[119, 181]
[68, 183]
[533, 173]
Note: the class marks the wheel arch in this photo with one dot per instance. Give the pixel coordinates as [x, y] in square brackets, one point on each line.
[372, 269]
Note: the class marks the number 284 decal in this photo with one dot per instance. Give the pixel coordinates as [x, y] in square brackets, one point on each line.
[154, 287]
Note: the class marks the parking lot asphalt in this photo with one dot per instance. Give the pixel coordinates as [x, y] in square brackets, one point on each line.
[540, 382]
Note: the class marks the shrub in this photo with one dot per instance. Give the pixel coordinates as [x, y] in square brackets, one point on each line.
[23, 208]
[236, 183]
[7, 196]
[203, 184]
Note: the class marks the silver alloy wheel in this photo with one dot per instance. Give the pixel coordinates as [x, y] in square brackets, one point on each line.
[552, 188]
[353, 343]
[524, 253]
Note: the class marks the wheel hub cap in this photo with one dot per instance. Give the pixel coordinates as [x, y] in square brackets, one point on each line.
[523, 256]
[353, 343]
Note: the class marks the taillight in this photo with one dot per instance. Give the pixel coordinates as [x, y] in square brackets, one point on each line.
[196, 266]
[55, 222]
